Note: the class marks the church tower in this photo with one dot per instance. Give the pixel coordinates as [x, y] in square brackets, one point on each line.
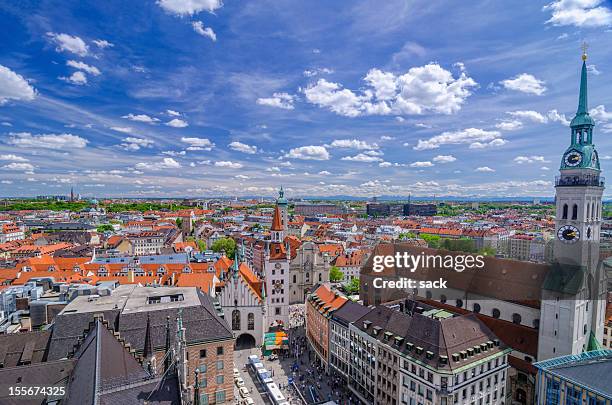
[276, 273]
[283, 205]
[572, 305]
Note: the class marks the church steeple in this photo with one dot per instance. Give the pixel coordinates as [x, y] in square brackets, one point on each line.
[581, 153]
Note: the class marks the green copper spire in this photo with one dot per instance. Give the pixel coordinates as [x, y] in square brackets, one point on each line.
[581, 153]
[582, 117]
[582, 100]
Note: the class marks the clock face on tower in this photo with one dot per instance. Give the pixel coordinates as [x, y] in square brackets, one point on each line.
[568, 234]
[573, 158]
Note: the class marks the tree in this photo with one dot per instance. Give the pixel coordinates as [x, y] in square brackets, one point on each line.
[352, 287]
[228, 245]
[406, 235]
[179, 222]
[335, 274]
[105, 228]
[201, 245]
[433, 241]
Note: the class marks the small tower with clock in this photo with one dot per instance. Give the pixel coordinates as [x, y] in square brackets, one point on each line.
[572, 307]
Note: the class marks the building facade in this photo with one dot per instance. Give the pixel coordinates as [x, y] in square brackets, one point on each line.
[575, 379]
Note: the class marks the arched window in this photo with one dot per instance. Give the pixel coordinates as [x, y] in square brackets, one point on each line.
[564, 211]
[495, 313]
[593, 211]
[294, 279]
[588, 212]
[459, 303]
[575, 211]
[307, 277]
[251, 321]
[477, 307]
[235, 319]
[320, 277]
[516, 318]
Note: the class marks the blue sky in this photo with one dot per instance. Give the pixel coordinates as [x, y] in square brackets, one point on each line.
[200, 98]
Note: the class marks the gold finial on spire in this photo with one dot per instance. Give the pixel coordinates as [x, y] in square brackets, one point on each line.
[584, 47]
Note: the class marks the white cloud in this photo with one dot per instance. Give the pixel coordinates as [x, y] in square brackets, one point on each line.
[529, 115]
[198, 143]
[363, 157]
[69, 43]
[102, 43]
[511, 125]
[580, 13]
[125, 130]
[6, 182]
[189, 7]
[444, 159]
[47, 141]
[386, 138]
[492, 144]
[132, 143]
[14, 87]
[77, 78]
[600, 114]
[198, 26]
[174, 153]
[465, 136]
[241, 176]
[309, 153]
[555, 116]
[228, 164]
[421, 164]
[141, 118]
[352, 144]
[13, 158]
[525, 83]
[324, 173]
[173, 113]
[385, 164]
[243, 147]
[424, 89]
[593, 70]
[165, 163]
[278, 100]
[92, 70]
[177, 123]
[317, 71]
[530, 159]
[21, 167]
[485, 169]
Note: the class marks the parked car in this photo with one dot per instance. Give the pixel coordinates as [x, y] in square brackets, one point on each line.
[248, 401]
[239, 382]
[244, 392]
[236, 373]
[272, 357]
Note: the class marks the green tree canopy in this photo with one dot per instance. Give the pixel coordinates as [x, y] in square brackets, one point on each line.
[352, 287]
[433, 241]
[225, 244]
[105, 228]
[335, 274]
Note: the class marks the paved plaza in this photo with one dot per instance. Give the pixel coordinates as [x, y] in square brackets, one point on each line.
[291, 372]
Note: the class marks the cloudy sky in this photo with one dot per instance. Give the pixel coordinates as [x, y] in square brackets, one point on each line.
[204, 98]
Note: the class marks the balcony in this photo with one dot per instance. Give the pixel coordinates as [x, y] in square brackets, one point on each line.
[579, 180]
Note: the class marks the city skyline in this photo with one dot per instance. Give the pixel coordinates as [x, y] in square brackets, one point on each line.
[195, 98]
